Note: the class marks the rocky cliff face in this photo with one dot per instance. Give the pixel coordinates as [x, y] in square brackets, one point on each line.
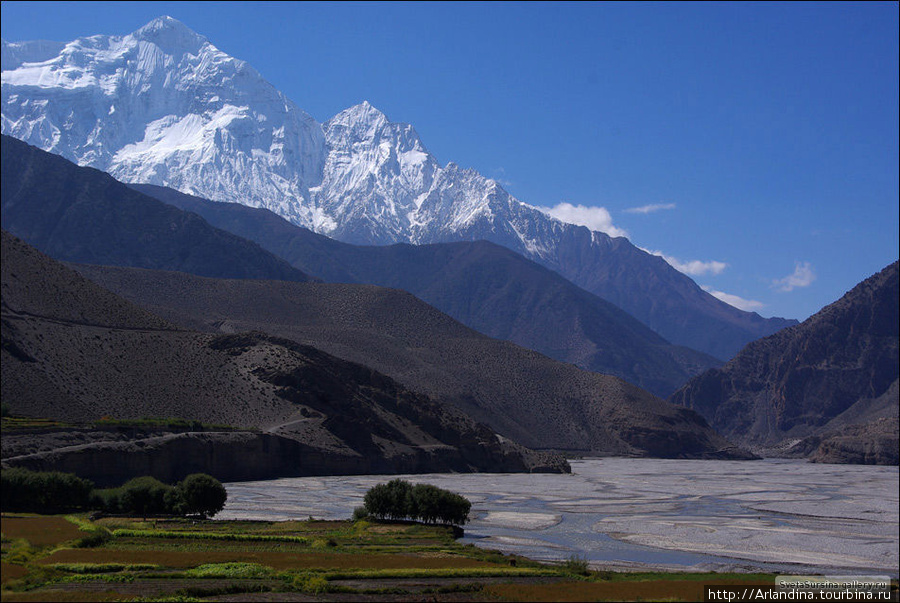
[164, 106]
[838, 368]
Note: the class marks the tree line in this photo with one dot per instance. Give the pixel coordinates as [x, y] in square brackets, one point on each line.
[398, 499]
[56, 492]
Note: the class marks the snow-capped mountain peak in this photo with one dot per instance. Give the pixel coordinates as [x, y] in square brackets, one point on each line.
[171, 36]
[164, 106]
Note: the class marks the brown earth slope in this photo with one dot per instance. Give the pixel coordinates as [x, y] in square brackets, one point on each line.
[75, 352]
[482, 285]
[523, 395]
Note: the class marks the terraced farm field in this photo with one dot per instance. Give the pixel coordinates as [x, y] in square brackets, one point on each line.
[70, 558]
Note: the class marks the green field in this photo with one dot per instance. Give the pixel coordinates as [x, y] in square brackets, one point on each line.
[69, 558]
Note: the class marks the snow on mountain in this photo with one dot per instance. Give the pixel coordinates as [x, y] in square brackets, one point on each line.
[164, 106]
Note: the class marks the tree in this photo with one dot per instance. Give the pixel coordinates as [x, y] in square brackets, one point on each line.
[144, 496]
[43, 492]
[202, 494]
[423, 502]
[389, 501]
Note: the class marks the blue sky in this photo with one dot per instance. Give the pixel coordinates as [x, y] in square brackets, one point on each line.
[755, 145]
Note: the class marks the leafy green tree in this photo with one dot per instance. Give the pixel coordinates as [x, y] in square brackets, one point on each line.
[426, 503]
[144, 496]
[202, 494]
[107, 500]
[43, 492]
[423, 502]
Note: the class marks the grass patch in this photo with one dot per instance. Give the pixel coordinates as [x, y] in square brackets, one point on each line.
[203, 535]
[66, 595]
[184, 560]
[442, 572]
[102, 568]
[23, 423]
[230, 570]
[275, 559]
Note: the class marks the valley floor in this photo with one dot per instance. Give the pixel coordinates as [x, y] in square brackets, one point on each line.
[72, 559]
[772, 515]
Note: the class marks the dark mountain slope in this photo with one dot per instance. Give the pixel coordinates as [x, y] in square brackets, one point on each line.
[520, 393]
[74, 352]
[84, 215]
[837, 369]
[484, 286]
[658, 295]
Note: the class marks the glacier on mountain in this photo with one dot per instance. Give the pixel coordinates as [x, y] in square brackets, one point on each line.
[164, 106]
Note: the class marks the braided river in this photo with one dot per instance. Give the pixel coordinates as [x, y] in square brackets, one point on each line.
[632, 514]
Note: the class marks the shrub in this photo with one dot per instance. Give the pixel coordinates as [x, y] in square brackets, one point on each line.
[107, 500]
[310, 583]
[94, 538]
[392, 500]
[54, 492]
[202, 494]
[577, 565]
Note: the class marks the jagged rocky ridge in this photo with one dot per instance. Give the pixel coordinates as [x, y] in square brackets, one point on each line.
[164, 106]
[75, 352]
[826, 388]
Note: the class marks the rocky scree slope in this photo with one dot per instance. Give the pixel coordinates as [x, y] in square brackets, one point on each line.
[523, 395]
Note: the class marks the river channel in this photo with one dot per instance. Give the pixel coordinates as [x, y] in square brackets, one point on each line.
[774, 515]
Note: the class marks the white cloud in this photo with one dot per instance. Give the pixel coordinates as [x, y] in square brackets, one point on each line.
[803, 276]
[500, 177]
[595, 218]
[691, 267]
[740, 303]
[649, 209]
